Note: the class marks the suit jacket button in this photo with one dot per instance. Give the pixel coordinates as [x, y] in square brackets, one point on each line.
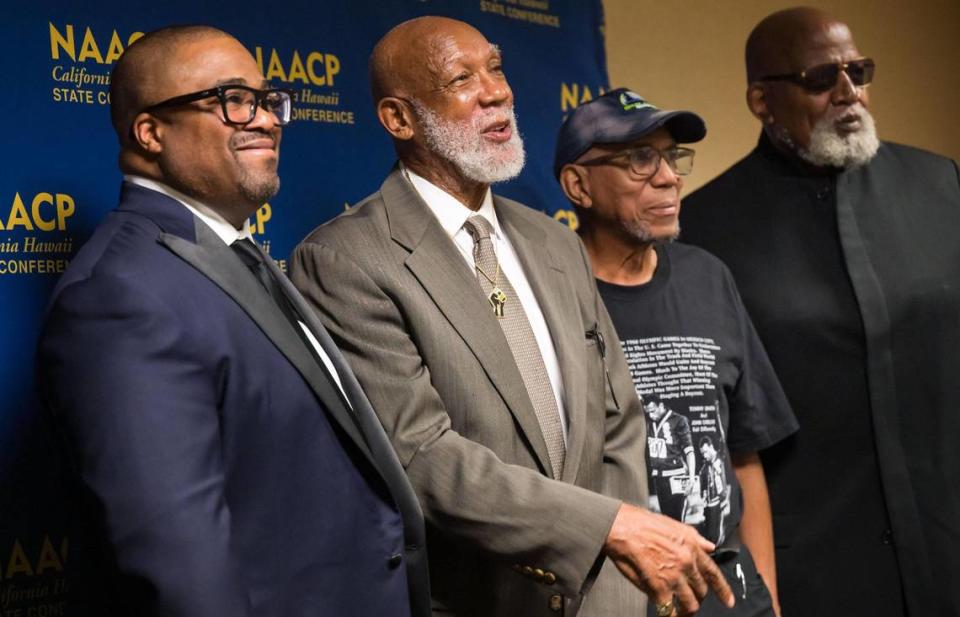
[538, 574]
[887, 536]
[395, 560]
[549, 578]
[527, 570]
[556, 603]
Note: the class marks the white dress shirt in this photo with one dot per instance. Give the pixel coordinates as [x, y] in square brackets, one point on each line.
[229, 234]
[452, 215]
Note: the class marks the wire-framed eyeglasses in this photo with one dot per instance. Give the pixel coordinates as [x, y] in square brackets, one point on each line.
[645, 160]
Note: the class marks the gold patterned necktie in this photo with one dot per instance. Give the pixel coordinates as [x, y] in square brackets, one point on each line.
[523, 344]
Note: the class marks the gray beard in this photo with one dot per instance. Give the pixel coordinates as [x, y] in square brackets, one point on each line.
[461, 144]
[830, 149]
[643, 235]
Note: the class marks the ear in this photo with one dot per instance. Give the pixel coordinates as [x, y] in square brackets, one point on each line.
[575, 182]
[147, 133]
[396, 116]
[758, 104]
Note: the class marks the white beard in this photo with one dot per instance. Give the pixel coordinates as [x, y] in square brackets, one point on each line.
[462, 144]
[828, 148]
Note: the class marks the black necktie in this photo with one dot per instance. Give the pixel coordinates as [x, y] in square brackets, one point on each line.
[253, 259]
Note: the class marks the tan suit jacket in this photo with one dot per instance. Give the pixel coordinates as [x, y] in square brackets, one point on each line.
[503, 539]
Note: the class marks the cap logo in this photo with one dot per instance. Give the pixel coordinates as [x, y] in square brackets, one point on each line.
[631, 101]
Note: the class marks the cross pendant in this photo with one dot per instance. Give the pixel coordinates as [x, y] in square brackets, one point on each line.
[497, 299]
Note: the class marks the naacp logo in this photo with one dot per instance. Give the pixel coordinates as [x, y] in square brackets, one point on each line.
[572, 95]
[81, 63]
[313, 75]
[33, 239]
[32, 577]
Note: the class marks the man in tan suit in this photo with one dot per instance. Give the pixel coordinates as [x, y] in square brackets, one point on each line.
[475, 327]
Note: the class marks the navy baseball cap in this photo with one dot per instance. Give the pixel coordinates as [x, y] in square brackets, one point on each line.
[620, 116]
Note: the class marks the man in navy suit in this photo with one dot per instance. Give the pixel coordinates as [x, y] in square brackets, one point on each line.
[230, 460]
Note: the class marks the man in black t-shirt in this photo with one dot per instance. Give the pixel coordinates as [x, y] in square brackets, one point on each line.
[692, 350]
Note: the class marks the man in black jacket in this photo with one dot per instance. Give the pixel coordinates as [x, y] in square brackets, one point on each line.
[846, 252]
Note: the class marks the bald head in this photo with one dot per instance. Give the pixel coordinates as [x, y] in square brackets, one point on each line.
[144, 73]
[411, 54]
[822, 119]
[776, 43]
[441, 93]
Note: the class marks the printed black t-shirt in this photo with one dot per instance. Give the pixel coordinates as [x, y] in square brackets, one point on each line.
[707, 385]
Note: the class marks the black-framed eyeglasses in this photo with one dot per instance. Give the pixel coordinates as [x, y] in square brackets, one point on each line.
[644, 161]
[239, 103]
[823, 77]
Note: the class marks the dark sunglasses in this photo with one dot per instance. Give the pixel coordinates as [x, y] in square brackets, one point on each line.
[823, 77]
[239, 103]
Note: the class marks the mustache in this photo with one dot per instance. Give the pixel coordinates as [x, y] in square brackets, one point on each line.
[836, 113]
[245, 137]
[493, 117]
[478, 121]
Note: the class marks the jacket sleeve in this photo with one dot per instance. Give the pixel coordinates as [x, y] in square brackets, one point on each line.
[624, 462]
[139, 414]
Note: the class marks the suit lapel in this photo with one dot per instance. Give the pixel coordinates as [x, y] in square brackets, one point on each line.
[552, 289]
[217, 262]
[441, 270]
[366, 417]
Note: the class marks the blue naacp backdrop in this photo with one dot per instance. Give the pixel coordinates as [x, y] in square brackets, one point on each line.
[59, 179]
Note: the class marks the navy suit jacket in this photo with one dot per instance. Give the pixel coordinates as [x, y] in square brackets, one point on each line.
[227, 473]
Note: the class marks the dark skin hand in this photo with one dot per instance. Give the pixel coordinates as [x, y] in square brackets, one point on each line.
[665, 559]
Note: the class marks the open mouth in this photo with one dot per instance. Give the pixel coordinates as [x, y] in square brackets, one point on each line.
[848, 123]
[498, 131]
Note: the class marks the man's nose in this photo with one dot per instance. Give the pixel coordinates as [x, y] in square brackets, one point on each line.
[494, 89]
[844, 91]
[665, 175]
[263, 120]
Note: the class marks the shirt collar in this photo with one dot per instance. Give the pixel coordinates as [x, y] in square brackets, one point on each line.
[447, 209]
[224, 230]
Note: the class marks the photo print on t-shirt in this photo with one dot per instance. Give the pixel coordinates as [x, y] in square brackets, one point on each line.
[686, 446]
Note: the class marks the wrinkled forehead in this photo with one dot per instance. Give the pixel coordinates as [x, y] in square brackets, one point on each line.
[820, 44]
[449, 51]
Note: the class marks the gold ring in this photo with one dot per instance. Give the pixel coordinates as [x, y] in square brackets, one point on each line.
[665, 609]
